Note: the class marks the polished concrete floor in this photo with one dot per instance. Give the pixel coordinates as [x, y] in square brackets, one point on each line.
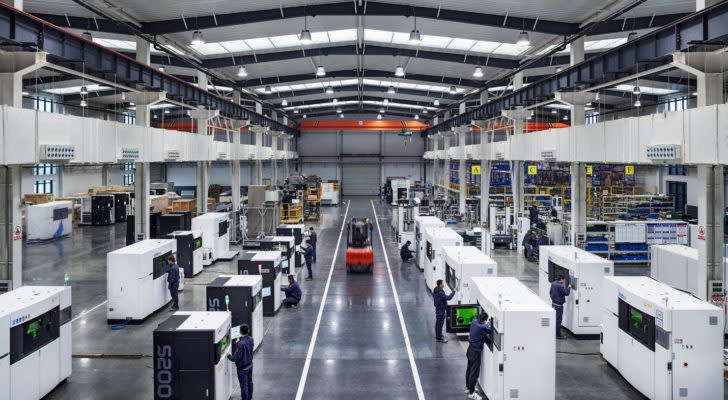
[355, 339]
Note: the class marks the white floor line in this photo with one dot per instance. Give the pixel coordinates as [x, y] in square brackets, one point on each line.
[408, 345]
[314, 335]
[86, 312]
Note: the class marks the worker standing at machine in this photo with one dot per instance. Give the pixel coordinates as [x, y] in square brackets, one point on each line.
[243, 359]
[313, 238]
[405, 252]
[173, 282]
[440, 299]
[293, 293]
[533, 214]
[558, 293]
[308, 256]
[480, 327]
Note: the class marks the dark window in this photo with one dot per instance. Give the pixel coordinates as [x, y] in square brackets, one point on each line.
[637, 324]
[44, 186]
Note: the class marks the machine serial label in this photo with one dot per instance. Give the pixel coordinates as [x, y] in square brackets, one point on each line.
[19, 320]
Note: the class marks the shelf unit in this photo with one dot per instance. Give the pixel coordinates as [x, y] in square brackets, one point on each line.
[614, 207]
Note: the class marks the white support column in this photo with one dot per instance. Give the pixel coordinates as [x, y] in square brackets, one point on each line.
[15, 3]
[59, 190]
[517, 81]
[11, 225]
[578, 204]
[445, 177]
[236, 96]
[435, 160]
[485, 170]
[203, 185]
[201, 80]
[13, 66]
[578, 114]
[259, 108]
[104, 174]
[484, 97]
[462, 108]
[286, 148]
[143, 51]
[274, 159]
[701, 4]
[462, 173]
[517, 187]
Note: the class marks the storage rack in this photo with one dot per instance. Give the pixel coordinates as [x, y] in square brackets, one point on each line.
[629, 207]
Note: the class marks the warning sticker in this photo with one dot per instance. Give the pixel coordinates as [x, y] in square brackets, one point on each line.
[18, 233]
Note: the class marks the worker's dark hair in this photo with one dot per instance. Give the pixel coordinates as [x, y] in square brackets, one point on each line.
[439, 282]
[244, 329]
[308, 241]
[171, 259]
[291, 278]
[310, 228]
[408, 242]
[560, 277]
[483, 316]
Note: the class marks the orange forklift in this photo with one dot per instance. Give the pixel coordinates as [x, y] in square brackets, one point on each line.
[359, 251]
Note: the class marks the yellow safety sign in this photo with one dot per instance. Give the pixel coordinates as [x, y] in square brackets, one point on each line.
[475, 169]
[589, 170]
[629, 169]
[532, 169]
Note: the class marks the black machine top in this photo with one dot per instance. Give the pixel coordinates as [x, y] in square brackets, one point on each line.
[219, 281]
[172, 323]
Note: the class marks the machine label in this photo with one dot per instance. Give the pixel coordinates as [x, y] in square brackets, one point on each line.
[701, 232]
[19, 320]
[213, 304]
[658, 318]
[266, 291]
[164, 371]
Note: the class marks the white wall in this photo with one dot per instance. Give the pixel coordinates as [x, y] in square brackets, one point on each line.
[185, 174]
[80, 179]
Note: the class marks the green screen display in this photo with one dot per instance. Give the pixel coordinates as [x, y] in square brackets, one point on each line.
[636, 319]
[31, 330]
[464, 316]
[198, 243]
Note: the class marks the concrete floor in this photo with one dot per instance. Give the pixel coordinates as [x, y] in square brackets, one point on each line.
[359, 350]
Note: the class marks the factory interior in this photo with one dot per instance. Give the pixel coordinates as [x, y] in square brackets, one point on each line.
[413, 199]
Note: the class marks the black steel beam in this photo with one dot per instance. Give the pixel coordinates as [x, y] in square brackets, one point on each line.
[367, 73]
[352, 110]
[346, 9]
[31, 33]
[362, 98]
[652, 49]
[356, 88]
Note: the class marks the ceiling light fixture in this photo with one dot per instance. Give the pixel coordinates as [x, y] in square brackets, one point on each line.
[197, 38]
[84, 90]
[632, 36]
[161, 69]
[284, 102]
[436, 102]
[83, 103]
[242, 72]
[453, 90]
[341, 116]
[399, 71]
[424, 111]
[381, 110]
[335, 101]
[390, 90]
[636, 91]
[305, 37]
[566, 117]
[559, 69]
[417, 117]
[295, 110]
[478, 72]
[554, 111]
[415, 37]
[385, 101]
[638, 103]
[305, 116]
[268, 89]
[523, 39]
[329, 89]
[166, 111]
[24, 93]
[379, 116]
[320, 71]
[338, 111]
[87, 35]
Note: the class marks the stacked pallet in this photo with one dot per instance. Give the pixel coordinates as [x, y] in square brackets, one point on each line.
[38, 198]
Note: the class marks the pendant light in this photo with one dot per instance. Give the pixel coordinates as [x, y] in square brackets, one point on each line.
[305, 37]
[417, 117]
[379, 116]
[334, 101]
[381, 110]
[632, 36]
[338, 111]
[478, 72]
[83, 103]
[284, 103]
[523, 39]
[84, 90]
[385, 101]
[390, 90]
[415, 37]
[197, 38]
[453, 90]
[329, 89]
[320, 71]
[268, 89]
[636, 91]
[436, 103]
[399, 71]
[242, 72]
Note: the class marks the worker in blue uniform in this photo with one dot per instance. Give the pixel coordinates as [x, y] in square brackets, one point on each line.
[480, 327]
[243, 359]
[440, 299]
[313, 238]
[405, 253]
[293, 293]
[559, 291]
[173, 282]
[307, 249]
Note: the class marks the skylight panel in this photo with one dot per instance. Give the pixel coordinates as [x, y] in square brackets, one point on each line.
[285, 41]
[259, 43]
[220, 88]
[299, 86]
[208, 48]
[313, 85]
[372, 82]
[341, 35]
[375, 35]
[423, 87]
[407, 85]
[235, 46]
[511, 49]
[483, 46]
[461, 44]
[438, 42]
[116, 44]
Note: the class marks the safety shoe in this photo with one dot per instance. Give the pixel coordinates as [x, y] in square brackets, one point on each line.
[441, 340]
[474, 396]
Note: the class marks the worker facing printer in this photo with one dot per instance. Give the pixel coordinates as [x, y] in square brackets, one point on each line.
[293, 293]
[440, 299]
[480, 327]
[558, 292]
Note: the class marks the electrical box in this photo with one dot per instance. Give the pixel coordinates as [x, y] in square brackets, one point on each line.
[423, 222]
[241, 295]
[582, 270]
[519, 356]
[268, 265]
[136, 279]
[57, 152]
[172, 155]
[435, 239]
[35, 341]
[666, 343]
[129, 154]
[190, 356]
[664, 152]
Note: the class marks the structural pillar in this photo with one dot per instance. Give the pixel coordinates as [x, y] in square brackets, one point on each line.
[445, 177]
[274, 159]
[578, 204]
[435, 159]
[462, 173]
[143, 51]
[13, 66]
[201, 80]
[708, 70]
[518, 117]
[203, 167]
[11, 228]
[15, 3]
[699, 4]
[576, 52]
[485, 170]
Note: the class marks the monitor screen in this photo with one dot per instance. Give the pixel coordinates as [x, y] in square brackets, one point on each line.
[198, 243]
[429, 251]
[159, 265]
[556, 271]
[638, 324]
[235, 332]
[450, 277]
[459, 317]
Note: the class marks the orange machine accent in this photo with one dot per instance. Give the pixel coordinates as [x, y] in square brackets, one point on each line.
[373, 125]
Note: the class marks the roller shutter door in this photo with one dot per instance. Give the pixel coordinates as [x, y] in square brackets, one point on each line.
[360, 179]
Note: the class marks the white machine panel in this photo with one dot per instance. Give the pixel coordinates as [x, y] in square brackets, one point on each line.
[519, 358]
[35, 341]
[423, 222]
[677, 266]
[137, 279]
[49, 220]
[666, 343]
[585, 272]
[435, 239]
[462, 263]
[215, 234]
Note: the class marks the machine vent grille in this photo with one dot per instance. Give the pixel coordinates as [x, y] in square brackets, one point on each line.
[514, 393]
[713, 320]
[490, 271]
[545, 322]
[683, 392]
[606, 270]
